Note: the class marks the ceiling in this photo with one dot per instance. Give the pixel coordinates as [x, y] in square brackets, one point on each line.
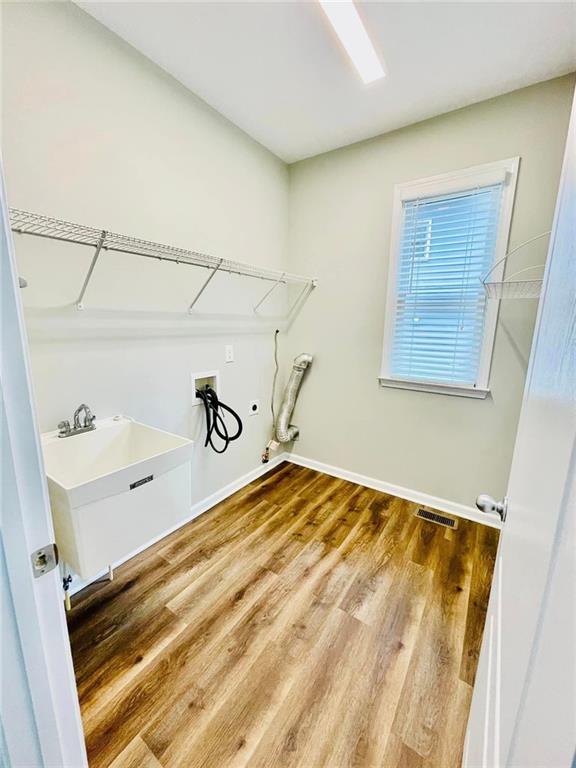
[276, 70]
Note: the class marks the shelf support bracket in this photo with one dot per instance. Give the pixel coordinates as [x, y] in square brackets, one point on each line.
[99, 246]
[304, 293]
[269, 291]
[204, 286]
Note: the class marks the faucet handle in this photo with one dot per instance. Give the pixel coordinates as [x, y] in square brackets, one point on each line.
[64, 427]
[89, 418]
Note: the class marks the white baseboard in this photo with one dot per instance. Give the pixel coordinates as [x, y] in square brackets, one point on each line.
[444, 505]
[195, 511]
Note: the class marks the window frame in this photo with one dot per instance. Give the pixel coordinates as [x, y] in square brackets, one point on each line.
[505, 171]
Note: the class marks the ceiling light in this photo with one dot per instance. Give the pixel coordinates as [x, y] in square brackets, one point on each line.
[348, 25]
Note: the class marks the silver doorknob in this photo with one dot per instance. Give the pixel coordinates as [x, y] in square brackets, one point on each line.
[486, 503]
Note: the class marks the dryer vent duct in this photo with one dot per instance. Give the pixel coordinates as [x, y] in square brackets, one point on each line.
[286, 432]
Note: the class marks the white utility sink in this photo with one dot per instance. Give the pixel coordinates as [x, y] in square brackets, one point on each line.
[115, 489]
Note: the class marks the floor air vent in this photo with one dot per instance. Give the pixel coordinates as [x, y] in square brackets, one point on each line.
[434, 517]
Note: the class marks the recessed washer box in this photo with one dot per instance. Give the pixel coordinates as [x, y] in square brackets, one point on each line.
[200, 380]
[115, 489]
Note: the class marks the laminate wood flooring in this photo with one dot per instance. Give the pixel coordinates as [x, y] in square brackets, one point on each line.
[305, 621]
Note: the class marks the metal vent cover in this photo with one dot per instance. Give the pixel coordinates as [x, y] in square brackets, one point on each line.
[435, 517]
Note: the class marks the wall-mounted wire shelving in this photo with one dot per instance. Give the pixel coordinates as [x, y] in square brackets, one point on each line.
[38, 225]
[516, 286]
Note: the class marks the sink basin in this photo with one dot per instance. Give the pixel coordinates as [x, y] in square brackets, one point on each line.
[115, 489]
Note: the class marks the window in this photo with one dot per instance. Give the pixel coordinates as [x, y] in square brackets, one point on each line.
[447, 233]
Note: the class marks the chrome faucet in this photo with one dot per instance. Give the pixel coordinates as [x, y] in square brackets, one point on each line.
[64, 426]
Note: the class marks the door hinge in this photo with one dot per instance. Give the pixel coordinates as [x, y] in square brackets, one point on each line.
[44, 560]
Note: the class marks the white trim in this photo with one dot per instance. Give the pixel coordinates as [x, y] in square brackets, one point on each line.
[447, 183]
[444, 505]
[442, 389]
[457, 181]
[418, 497]
[196, 510]
[528, 697]
[28, 526]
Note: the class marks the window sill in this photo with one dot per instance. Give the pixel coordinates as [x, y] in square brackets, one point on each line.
[439, 389]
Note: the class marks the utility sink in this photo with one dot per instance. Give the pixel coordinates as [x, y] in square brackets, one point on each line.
[115, 489]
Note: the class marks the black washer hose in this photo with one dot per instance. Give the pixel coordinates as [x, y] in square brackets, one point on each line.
[215, 419]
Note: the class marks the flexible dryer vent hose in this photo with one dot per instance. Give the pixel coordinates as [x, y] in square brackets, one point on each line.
[286, 432]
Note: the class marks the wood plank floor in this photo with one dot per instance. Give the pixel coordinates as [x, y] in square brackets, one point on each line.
[305, 621]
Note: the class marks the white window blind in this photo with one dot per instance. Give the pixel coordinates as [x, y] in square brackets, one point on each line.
[447, 244]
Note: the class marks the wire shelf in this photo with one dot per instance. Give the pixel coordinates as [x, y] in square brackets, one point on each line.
[38, 225]
[512, 287]
[28, 223]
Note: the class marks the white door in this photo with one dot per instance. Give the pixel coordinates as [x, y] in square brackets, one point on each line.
[40, 721]
[523, 708]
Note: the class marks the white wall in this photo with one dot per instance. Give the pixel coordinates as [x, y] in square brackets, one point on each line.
[341, 202]
[95, 133]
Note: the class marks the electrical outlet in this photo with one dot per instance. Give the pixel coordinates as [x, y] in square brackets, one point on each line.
[254, 407]
[229, 353]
